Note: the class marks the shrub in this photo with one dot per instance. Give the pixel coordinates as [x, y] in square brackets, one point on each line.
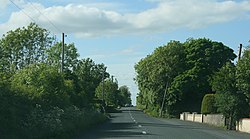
[42, 84]
[208, 104]
[13, 111]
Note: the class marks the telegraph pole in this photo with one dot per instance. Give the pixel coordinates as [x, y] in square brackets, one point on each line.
[62, 64]
[112, 78]
[103, 101]
[239, 55]
[163, 101]
[103, 87]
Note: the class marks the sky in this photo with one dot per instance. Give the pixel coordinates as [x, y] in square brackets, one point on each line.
[119, 33]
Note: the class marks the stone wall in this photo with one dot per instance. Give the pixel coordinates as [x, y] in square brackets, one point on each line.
[243, 125]
[215, 119]
[212, 119]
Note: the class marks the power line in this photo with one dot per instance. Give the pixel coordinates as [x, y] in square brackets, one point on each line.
[68, 39]
[45, 17]
[34, 19]
[23, 11]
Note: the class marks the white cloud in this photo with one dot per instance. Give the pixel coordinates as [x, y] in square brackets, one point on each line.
[3, 4]
[90, 21]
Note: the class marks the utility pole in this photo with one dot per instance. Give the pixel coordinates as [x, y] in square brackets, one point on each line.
[239, 55]
[62, 64]
[163, 101]
[103, 87]
[103, 101]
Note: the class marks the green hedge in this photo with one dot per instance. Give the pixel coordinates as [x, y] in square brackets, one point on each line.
[208, 104]
[34, 103]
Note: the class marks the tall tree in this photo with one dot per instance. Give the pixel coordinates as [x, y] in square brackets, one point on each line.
[70, 55]
[24, 46]
[203, 58]
[184, 69]
[243, 74]
[229, 100]
[87, 75]
[124, 96]
[156, 71]
[111, 92]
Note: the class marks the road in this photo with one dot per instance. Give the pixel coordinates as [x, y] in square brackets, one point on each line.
[134, 124]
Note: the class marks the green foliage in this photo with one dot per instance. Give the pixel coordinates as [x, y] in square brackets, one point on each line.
[13, 110]
[41, 83]
[111, 93]
[124, 96]
[60, 123]
[243, 74]
[208, 104]
[70, 55]
[87, 76]
[24, 46]
[155, 71]
[230, 102]
[184, 69]
[37, 101]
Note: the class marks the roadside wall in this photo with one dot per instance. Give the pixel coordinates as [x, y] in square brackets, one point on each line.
[215, 119]
[243, 125]
[212, 119]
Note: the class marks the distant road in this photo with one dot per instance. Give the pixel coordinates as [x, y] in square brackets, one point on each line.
[134, 124]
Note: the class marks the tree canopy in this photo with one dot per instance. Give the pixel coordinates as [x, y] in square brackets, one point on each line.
[24, 46]
[38, 101]
[230, 101]
[184, 69]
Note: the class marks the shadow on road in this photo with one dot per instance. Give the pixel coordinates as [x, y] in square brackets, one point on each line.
[132, 110]
[115, 128]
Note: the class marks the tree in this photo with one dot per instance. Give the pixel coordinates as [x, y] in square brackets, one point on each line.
[42, 84]
[38, 101]
[230, 102]
[203, 58]
[24, 46]
[86, 76]
[70, 56]
[111, 92]
[124, 96]
[243, 74]
[182, 70]
[155, 71]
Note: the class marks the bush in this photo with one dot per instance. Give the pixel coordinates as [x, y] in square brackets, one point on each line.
[13, 111]
[42, 84]
[35, 103]
[208, 104]
[60, 123]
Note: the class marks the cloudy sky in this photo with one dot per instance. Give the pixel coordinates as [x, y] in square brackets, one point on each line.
[119, 33]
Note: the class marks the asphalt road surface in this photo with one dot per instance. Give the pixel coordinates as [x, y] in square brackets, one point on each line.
[133, 124]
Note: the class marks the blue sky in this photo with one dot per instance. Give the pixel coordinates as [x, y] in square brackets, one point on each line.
[119, 33]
